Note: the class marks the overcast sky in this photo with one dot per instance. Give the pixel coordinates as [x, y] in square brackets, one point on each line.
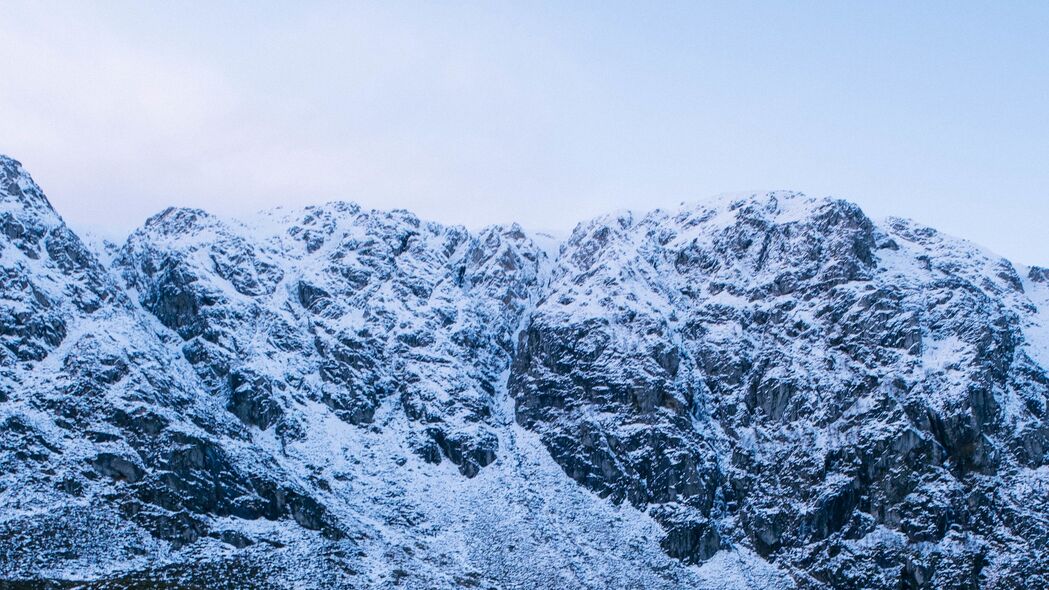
[545, 113]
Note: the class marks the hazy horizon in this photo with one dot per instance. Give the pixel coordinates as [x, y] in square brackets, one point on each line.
[545, 115]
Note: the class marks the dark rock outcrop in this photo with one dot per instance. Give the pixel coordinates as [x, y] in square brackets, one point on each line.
[779, 373]
[768, 390]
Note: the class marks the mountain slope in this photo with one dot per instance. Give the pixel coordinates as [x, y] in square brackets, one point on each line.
[858, 402]
[315, 398]
[764, 391]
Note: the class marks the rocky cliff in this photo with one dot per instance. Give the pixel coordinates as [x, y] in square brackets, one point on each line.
[765, 391]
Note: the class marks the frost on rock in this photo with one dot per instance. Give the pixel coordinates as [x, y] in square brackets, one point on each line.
[856, 402]
[347, 308]
[765, 391]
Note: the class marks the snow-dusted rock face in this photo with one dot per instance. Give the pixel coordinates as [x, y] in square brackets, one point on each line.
[767, 391]
[343, 307]
[111, 456]
[855, 402]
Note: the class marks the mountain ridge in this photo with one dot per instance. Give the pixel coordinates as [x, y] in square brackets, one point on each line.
[769, 390]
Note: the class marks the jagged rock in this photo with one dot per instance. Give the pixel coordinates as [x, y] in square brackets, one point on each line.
[252, 399]
[470, 451]
[766, 391]
[117, 468]
[690, 542]
[805, 374]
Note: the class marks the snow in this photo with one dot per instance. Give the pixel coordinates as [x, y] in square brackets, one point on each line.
[1036, 329]
[521, 522]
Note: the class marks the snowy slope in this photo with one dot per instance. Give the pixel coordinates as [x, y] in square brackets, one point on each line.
[858, 402]
[764, 391]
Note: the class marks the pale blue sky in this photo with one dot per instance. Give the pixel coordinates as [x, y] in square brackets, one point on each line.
[546, 113]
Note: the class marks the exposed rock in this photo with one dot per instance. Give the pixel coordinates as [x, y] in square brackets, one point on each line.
[766, 391]
[778, 372]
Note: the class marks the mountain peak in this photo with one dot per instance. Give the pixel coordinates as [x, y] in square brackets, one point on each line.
[1039, 274]
[18, 189]
[763, 390]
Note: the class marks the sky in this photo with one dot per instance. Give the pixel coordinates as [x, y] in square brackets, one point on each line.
[546, 113]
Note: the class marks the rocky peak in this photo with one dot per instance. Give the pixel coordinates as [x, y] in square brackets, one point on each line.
[48, 274]
[766, 390]
[1038, 274]
[361, 307]
[713, 363]
[17, 188]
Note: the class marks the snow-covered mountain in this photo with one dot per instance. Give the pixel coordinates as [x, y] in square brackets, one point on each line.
[760, 391]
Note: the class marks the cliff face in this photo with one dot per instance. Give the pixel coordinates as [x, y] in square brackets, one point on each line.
[344, 308]
[852, 401]
[764, 391]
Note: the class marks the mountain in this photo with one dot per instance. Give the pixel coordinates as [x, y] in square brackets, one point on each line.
[763, 391]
